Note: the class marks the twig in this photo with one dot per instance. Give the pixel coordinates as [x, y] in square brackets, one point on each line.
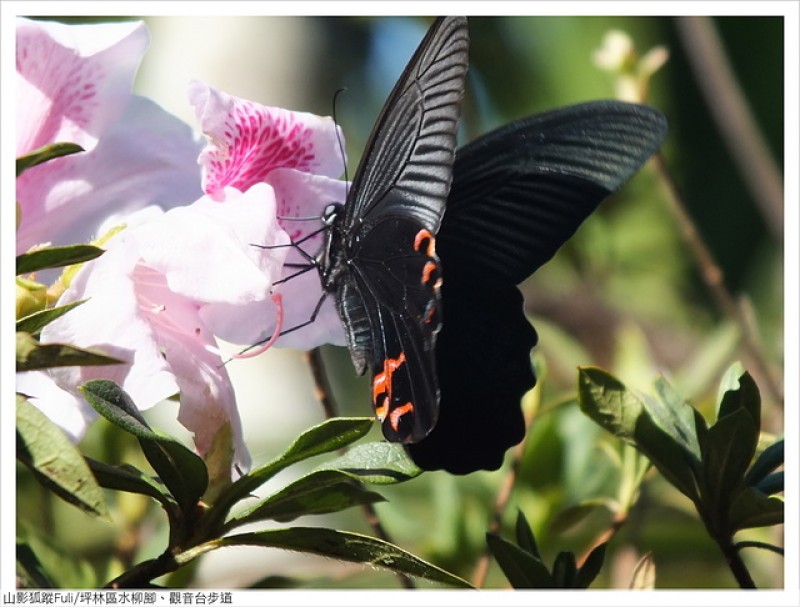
[500, 504]
[325, 396]
[728, 106]
[713, 277]
[736, 564]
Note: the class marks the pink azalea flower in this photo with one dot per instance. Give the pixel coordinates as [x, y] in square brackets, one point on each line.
[147, 298]
[300, 156]
[74, 85]
[172, 282]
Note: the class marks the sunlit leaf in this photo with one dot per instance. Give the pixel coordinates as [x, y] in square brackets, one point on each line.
[320, 492]
[182, 471]
[35, 322]
[46, 153]
[34, 356]
[56, 257]
[328, 436]
[128, 478]
[609, 403]
[55, 461]
[339, 545]
[378, 463]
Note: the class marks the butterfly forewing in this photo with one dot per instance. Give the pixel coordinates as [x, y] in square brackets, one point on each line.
[522, 190]
[381, 260]
[407, 166]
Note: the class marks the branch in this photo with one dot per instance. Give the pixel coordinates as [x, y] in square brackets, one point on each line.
[325, 396]
[728, 106]
[713, 277]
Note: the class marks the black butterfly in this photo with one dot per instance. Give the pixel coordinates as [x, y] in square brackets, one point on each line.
[517, 194]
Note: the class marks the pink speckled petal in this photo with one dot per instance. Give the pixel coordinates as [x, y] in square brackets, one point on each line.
[247, 140]
[73, 81]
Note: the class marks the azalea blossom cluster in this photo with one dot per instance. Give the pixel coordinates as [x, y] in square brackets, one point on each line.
[197, 234]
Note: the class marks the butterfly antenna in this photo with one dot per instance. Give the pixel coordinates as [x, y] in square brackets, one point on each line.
[338, 136]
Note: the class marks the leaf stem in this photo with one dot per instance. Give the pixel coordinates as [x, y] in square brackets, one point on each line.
[762, 545]
[503, 497]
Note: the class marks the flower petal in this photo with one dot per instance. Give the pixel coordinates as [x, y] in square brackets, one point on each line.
[247, 140]
[74, 81]
[208, 252]
[148, 157]
[73, 414]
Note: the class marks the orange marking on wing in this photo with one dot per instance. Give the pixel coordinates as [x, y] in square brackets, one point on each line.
[427, 270]
[382, 384]
[421, 236]
[394, 416]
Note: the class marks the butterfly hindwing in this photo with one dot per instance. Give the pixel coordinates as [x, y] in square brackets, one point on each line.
[518, 194]
[483, 366]
[398, 280]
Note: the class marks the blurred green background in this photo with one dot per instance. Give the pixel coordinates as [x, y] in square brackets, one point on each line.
[624, 293]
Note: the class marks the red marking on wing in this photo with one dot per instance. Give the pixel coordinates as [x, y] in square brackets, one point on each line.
[396, 414]
[421, 237]
[427, 270]
[382, 385]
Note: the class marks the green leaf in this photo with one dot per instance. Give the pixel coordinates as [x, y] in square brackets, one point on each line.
[378, 463]
[56, 257]
[340, 545]
[320, 492]
[609, 403]
[182, 471]
[729, 449]
[591, 566]
[770, 459]
[565, 570]
[130, 479]
[751, 508]
[330, 435]
[55, 461]
[33, 356]
[29, 566]
[521, 568]
[65, 568]
[732, 441]
[33, 323]
[46, 153]
[771, 484]
[525, 537]
[674, 416]
[738, 391]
